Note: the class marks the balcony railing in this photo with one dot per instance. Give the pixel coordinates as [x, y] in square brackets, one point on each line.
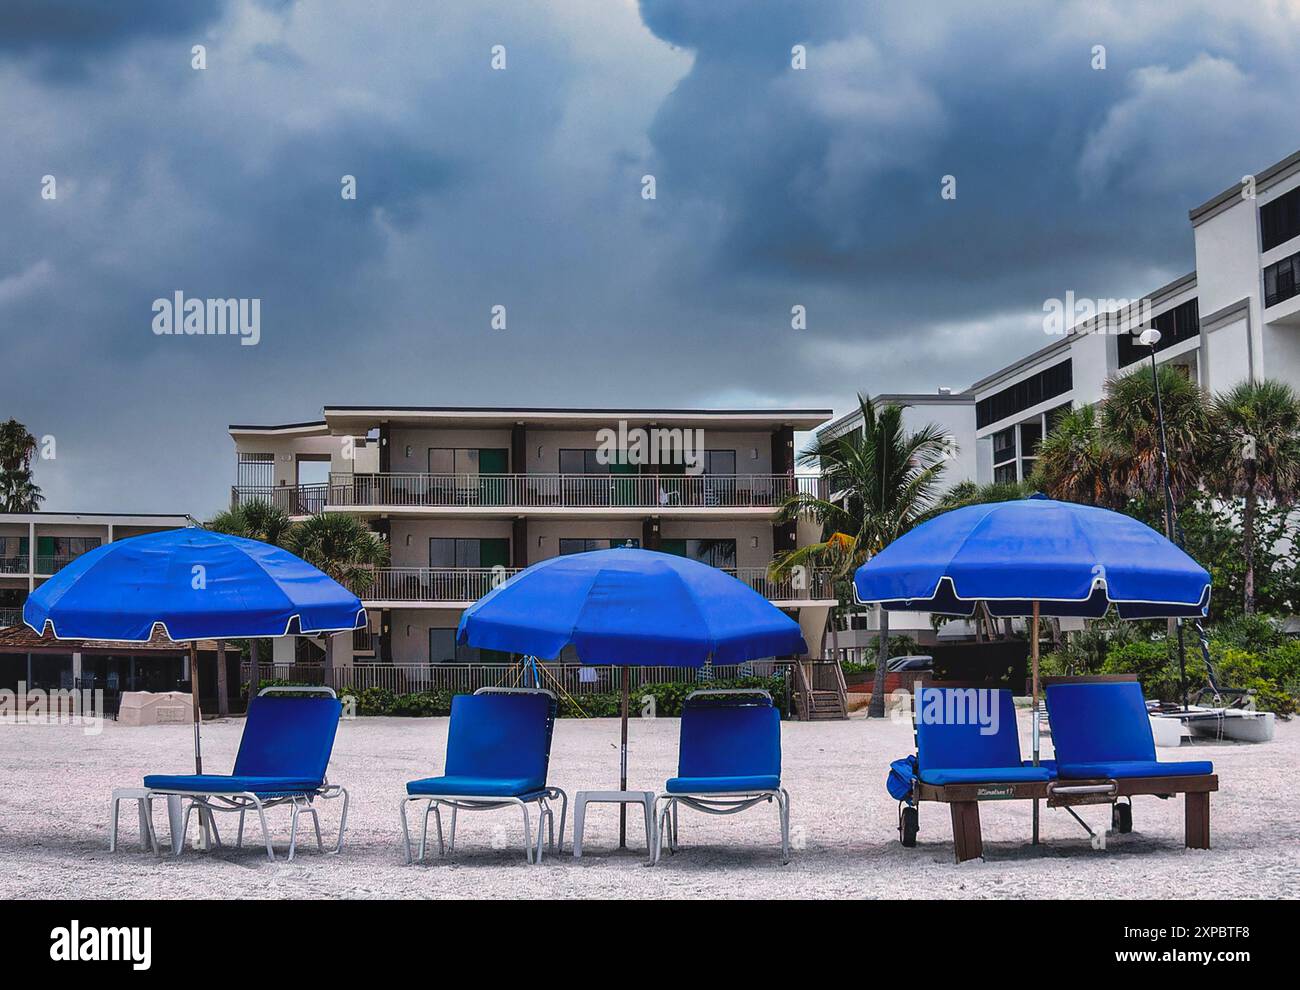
[467, 584]
[47, 564]
[523, 491]
[297, 500]
[13, 565]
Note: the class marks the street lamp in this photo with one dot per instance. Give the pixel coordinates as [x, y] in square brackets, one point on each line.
[1150, 337]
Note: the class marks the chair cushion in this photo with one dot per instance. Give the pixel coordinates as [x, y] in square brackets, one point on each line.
[1115, 770]
[288, 736]
[215, 783]
[501, 740]
[723, 785]
[1100, 722]
[729, 738]
[987, 775]
[965, 728]
[466, 786]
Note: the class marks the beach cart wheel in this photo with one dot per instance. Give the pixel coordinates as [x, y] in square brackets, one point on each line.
[908, 825]
[1121, 817]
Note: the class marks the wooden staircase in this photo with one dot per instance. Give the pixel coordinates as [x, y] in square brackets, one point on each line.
[820, 692]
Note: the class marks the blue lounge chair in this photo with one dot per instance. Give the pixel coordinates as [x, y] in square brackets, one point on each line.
[498, 749]
[1105, 749]
[967, 751]
[283, 755]
[729, 759]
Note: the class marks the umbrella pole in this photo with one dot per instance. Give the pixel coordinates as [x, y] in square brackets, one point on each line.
[198, 714]
[622, 773]
[1033, 653]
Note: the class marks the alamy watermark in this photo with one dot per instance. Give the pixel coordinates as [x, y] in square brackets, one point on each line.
[656, 446]
[182, 317]
[61, 706]
[1082, 314]
[949, 706]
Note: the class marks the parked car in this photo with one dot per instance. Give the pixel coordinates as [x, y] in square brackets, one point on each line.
[896, 665]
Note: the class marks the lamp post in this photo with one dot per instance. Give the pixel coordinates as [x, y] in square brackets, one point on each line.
[1150, 337]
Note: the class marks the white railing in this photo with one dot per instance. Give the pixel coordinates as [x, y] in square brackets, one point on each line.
[13, 565]
[468, 584]
[465, 678]
[572, 491]
[434, 584]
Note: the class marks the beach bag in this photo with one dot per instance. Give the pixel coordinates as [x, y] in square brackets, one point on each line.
[901, 774]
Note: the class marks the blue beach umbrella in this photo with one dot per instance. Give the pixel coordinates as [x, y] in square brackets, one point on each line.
[196, 584]
[630, 607]
[1035, 557]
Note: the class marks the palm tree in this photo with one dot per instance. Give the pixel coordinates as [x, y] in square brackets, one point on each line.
[969, 493]
[255, 520]
[1255, 454]
[343, 547]
[1130, 424]
[1077, 462]
[879, 481]
[18, 492]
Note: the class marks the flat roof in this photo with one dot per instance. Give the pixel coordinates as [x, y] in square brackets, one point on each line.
[578, 416]
[1273, 174]
[73, 516]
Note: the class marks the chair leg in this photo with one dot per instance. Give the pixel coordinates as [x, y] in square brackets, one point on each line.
[437, 821]
[1196, 811]
[112, 824]
[239, 836]
[153, 835]
[648, 807]
[178, 847]
[406, 834]
[528, 833]
[315, 820]
[293, 829]
[564, 811]
[783, 805]
[424, 830]
[451, 835]
[343, 819]
[966, 830]
[266, 831]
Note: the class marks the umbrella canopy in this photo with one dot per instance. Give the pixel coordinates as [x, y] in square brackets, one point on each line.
[1073, 560]
[196, 584]
[630, 607]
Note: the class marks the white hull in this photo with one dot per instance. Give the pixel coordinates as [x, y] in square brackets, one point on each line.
[1239, 726]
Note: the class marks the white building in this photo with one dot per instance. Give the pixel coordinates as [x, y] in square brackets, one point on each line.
[1235, 318]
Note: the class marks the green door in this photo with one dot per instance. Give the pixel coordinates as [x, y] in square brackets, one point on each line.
[493, 461]
[494, 552]
[622, 483]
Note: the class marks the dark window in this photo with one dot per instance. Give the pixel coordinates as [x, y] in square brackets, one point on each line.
[581, 462]
[1031, 435]
[1005, 475]
[1004, 445]
[1047, 384]
[1280, 280]
[1175, 325]
[1279, 220]
[570, 545]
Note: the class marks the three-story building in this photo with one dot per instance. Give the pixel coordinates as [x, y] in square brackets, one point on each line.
[466, 497]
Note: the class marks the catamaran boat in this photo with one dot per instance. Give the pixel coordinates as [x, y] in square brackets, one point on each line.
[1170, 723]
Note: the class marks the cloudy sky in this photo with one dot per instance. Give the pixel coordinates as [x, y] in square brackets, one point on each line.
[523, 188]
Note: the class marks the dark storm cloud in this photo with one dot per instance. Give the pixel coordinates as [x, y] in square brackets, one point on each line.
[522, 188]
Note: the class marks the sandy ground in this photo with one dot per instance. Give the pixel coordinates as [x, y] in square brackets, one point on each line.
[54, 813]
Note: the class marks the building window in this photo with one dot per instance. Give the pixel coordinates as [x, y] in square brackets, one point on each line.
[1175, 325]
[1005, 474]
[1047, 384]
[1280, 280]
[1279, 220]
[570, 545]
[1004, 455]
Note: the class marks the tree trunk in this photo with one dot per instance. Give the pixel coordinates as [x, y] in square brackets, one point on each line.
[1248, 546]
[877, 709]
[223, 702]
[254, 669]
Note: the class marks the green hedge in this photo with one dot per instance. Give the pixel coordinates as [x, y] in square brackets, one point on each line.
[668, 699]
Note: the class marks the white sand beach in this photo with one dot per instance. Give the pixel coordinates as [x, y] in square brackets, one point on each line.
[54, 815]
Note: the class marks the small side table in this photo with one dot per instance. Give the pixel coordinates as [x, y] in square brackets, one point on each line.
[644, 798]
[139, 795]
